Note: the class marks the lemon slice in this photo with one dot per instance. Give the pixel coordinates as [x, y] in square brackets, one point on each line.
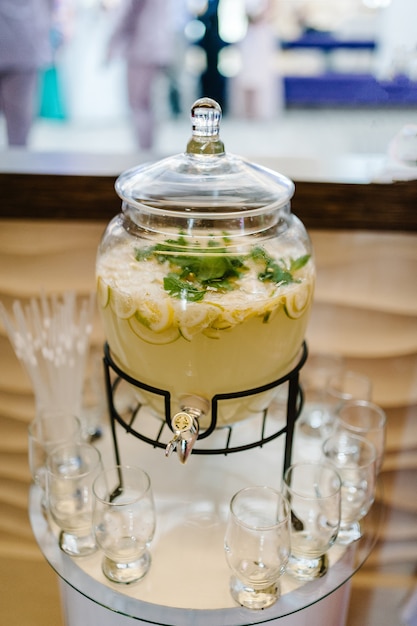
[195, 318]
[103, 293]
[221, 324]
[169, 335]
[297, 303]
[239, 315]
[212, 333]
[269, 312]
[122, 304]
[157, 315]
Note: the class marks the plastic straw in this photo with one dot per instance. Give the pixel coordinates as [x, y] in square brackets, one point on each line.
[51, 339]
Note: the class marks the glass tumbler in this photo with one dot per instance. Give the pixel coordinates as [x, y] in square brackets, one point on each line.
[257, 545]
[314, 376]
[71, 471]
[313, 491]
[124, 522]
[342, 387]
[354, 458]
[48, 430]
[367, 420]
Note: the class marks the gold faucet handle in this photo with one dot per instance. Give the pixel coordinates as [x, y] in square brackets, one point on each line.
[185, 428]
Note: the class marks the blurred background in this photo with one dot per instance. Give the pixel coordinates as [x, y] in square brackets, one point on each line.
[306, 77]
[304, 80]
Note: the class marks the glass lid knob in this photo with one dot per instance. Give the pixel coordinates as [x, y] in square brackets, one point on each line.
[205, 116]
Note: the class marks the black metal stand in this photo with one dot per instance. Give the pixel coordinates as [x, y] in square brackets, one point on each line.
[132, 423]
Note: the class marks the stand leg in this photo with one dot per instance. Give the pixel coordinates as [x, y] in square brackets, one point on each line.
[293, 391]
[112, 410]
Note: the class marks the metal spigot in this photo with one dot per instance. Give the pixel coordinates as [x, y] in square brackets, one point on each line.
[185, 426]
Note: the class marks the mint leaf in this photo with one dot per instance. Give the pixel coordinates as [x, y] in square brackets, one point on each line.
[194, 270]
[276, 274]
[143, 254]
[297, 264]
[182, 289]
[277, 271]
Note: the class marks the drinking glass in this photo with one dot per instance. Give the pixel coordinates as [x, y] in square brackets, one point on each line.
[257, 545]
[71, 471]
[313, 491]
[342, 387]
[354, 458]
[124, 522]
[367, 420]
[48, 430]
[318, 369]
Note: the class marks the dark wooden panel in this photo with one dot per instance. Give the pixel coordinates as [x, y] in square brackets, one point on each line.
[50, 196]
[352, 206]
[318, 204]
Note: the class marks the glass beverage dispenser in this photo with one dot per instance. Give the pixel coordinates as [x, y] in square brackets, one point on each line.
[205, 281]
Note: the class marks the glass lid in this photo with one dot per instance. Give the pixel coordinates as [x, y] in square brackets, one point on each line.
[205, 179]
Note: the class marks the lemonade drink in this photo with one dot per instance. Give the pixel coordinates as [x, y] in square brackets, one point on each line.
[169, 332]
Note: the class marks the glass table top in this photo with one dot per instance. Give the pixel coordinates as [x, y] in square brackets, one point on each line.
[189, 578]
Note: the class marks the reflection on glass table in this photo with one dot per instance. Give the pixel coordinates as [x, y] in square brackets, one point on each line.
[188, 584]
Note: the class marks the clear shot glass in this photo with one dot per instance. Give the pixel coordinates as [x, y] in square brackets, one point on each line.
[47, 431]
[343, 387]
[124, 522]
[71, 471]
[257, 545]
[314, 376]
[354, 458]
[313, 491]
[365, 419]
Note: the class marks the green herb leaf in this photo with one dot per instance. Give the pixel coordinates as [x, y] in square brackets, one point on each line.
[277, 271]
[297, 264]
[198, 270]
[182, 289]
[276, 274]
[143, 254]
